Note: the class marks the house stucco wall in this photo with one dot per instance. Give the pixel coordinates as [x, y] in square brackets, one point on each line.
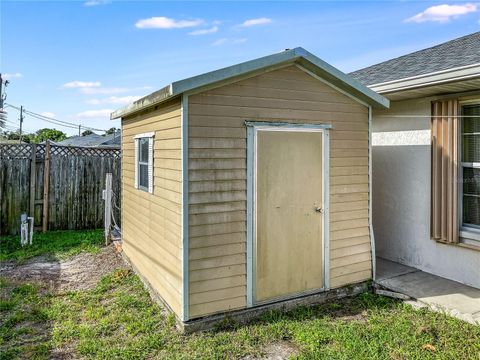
[401, 195]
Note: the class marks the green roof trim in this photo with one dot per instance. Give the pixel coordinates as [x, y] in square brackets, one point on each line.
[298, 56]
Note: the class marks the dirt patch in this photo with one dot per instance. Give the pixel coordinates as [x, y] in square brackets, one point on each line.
[80, 272]
[360, 317]
[277, 351]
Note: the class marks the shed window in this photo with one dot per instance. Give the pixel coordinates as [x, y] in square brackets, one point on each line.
[470, 164]
[144, 162]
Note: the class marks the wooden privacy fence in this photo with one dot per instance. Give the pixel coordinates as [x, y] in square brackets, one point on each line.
[60, 186]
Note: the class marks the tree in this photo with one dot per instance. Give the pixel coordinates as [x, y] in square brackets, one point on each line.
[15, 135]
[112, 130]
[87, 132]
[49, 134]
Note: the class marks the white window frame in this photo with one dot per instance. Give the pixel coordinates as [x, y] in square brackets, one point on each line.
[469, 234]
[150, 137]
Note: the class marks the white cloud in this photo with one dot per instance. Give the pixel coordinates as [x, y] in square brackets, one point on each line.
[113, 100]
[162, 22]
[224, 41]
[220, 41]
[110, 90]
[96, 88]
[239, 41]
[48, 114]
[211, 30]
[95, 2]
[91, 114]
[443, 13]
[104, 90]
[11, 76]
[81, 84]
[257, 21]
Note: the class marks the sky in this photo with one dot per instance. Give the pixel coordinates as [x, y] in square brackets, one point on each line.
[76, 61]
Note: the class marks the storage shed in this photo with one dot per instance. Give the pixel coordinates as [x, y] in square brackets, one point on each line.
[249, 186]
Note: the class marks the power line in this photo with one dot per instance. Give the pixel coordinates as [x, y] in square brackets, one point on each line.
[14, 129]
[12, 124]
[48, 119]
[10, 127]
[40, 117]
[61, 123]
[55, 121]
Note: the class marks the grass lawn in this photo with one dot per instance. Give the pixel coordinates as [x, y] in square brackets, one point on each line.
[118, 320]
[58, 244]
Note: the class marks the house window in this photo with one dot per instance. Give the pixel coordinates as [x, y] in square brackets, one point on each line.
[144, 162]
[470, 166]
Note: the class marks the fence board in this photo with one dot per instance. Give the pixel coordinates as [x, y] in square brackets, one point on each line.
[76, 180]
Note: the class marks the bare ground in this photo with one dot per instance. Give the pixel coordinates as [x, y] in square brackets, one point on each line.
[276, 351]
[80, 272]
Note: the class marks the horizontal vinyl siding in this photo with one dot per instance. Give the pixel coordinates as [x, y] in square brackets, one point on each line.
[217, 180]
[151, 223]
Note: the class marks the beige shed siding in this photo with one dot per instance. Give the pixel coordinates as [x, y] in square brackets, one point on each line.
[217, 180]
[151, 223]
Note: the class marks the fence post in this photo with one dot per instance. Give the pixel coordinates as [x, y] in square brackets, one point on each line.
[33, 179]
[107, 196]
[46, 182]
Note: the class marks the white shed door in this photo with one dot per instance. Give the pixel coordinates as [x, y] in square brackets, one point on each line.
[288, 248]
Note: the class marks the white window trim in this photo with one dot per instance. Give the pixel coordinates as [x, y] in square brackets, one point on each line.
[150, 136]
[469, 235]
[145, 135]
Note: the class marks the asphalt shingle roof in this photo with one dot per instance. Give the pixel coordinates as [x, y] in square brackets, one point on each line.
[92, 140]
[451, 54]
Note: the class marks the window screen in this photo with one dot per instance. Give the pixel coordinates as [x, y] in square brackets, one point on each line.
[471, 164]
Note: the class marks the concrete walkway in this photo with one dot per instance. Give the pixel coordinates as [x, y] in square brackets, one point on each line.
[440, 294]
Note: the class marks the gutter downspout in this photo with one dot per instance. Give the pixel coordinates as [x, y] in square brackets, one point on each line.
[370, 202]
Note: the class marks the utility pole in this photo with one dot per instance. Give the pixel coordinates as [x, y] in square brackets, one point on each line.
[21, 123]
[79, 130]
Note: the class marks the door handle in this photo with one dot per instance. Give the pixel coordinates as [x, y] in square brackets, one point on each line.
[319, 209]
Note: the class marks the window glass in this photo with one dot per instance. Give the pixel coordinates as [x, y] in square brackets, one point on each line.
[471, 213]
[142, 165]
[471, 171]
[143, 176]
[471, 148]
[143, 148]
[471, 120]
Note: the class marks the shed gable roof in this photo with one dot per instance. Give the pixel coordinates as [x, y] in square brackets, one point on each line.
[460, 52]
[294, 56]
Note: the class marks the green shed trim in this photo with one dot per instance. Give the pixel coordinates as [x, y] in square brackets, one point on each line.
[298, 56]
